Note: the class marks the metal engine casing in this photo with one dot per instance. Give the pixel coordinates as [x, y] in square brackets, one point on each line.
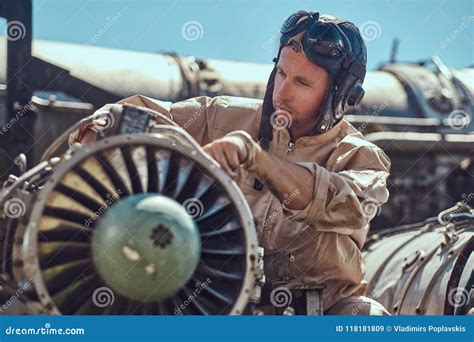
[425, 268]
[46, 234]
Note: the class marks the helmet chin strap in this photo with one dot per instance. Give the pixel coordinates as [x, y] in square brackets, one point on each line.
[325, 118]
[265, 133]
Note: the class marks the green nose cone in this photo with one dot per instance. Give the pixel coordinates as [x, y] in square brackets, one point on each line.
[146, 247]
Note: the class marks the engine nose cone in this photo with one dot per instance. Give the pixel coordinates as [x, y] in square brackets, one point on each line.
[146, 247]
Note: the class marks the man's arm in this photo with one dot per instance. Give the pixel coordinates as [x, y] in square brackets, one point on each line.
[285, 178]
[342, 200]
[230, 152]
[192, 115]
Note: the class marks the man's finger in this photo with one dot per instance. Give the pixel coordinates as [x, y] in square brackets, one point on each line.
[221, 159]
[232, 158]
[88, 137]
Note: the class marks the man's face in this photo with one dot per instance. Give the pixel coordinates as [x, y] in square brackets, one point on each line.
[300, 87]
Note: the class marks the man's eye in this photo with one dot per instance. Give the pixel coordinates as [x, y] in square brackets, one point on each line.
[303, 83]
[281, 73]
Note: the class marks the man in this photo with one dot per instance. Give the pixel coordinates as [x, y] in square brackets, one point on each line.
[312, 181]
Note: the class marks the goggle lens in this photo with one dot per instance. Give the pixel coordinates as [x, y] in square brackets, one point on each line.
[324, 39]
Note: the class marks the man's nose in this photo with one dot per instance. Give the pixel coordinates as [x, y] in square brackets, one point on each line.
[284, 92]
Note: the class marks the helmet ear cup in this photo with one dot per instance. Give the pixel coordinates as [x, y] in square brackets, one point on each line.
[349, 93]
[356, 94]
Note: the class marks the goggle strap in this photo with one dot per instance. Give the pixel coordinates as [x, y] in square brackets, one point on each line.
[287, 36]
[357, 69]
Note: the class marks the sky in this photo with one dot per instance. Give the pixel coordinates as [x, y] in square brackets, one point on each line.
[247, 30]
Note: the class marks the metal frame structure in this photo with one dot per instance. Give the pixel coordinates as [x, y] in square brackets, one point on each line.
[27, 74]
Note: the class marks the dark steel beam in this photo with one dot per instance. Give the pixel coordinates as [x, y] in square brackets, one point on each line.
[20, 118]
[2, 8]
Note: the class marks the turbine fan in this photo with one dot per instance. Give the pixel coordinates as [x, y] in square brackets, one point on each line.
[73, 240]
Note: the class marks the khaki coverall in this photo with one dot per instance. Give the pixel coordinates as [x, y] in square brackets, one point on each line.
[324, 240]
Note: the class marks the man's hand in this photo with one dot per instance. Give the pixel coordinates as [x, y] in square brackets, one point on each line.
[281, 177]
[88, 131]
[84, 135]
[229, 152]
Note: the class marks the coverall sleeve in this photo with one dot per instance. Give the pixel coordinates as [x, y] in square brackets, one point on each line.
[193, 114]
[346, 196]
